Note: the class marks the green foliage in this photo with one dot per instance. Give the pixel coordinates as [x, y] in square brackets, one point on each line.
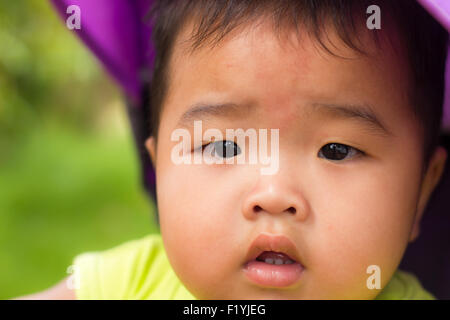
[69, 175]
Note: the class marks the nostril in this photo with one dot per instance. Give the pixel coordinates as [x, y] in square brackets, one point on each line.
[290, 209]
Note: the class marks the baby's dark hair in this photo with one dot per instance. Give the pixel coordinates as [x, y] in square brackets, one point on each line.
[424, 39]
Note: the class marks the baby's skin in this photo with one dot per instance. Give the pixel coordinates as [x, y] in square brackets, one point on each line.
[340, 216]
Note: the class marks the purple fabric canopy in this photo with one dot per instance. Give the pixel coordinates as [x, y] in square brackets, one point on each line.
[116, 31]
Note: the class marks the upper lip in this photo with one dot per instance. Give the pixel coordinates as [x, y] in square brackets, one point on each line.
[276, 243]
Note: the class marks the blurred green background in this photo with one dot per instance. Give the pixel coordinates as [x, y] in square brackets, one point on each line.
[69, 174]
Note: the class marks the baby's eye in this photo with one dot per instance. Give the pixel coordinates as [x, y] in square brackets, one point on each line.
[222, 149]
[337, 151]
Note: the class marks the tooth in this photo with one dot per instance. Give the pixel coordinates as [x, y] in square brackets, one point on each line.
[278, 261]
[269, 260]
[288, 262]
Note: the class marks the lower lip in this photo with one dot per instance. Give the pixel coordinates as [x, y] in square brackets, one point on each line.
[273, 275]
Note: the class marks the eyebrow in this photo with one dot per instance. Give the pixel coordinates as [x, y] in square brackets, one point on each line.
[203, 111]
[362, 113]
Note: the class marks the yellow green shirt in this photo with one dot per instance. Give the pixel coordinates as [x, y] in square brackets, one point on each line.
[140, 270]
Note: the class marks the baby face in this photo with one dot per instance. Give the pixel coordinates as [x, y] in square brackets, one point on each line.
[348, 192]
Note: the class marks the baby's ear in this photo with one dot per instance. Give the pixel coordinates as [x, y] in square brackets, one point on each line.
[150, 144]
[430, 181]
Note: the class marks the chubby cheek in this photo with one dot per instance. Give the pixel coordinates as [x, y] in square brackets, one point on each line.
[364, 218]
[197, 217]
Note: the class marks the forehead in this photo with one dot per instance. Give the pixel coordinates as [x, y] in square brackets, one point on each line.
[254, 65]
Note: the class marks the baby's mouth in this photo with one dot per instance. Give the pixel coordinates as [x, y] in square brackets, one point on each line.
[277, 258]
[273, 261]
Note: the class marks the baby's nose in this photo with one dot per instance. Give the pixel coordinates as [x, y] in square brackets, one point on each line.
[272, 196]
